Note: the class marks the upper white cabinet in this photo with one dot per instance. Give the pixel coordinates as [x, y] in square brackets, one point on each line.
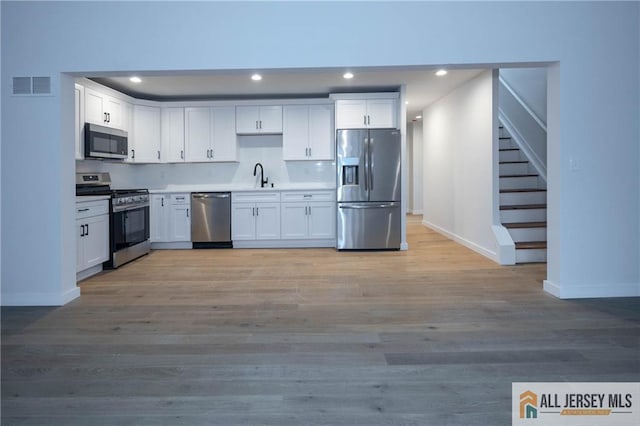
[209, 134]
[366, 113]
[265, 119]
[79, 121]
[144, 138]
[308, 132]
[172, 134]
[103, 109]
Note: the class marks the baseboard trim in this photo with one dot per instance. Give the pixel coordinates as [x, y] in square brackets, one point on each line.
[172, 246]
[40, 299]
[460, 240]
[285, 244]
[592, 291]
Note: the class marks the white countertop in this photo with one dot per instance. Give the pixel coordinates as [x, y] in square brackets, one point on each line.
[239, 188]
[87, 198]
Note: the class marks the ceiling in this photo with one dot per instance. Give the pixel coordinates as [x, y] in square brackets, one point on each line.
[423, 87]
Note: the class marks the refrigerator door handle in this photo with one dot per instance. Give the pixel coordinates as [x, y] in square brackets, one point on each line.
[368, 206]
[370, 164]
[366, 164]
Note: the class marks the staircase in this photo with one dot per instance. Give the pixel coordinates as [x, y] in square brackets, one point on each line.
[523, 202]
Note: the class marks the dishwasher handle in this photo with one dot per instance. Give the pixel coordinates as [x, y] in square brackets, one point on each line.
[211, 195]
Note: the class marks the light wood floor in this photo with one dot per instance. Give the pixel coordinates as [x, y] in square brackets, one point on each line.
[431, 336]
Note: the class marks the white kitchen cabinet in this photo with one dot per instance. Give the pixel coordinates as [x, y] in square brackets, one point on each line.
[79, 121]
[144, 139]
[255, 216]
[209, 134]
[170, 218]
[103, 109]
[366, 113]
[92, 234]
[172, 135]
[308, 132]
[308, 215]
[264, 119]
[159, 218]
[180, 219]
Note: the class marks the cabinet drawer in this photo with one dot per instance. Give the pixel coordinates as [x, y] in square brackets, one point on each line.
[295, 196]
[255, 197]
[91, 208]
[180, 198]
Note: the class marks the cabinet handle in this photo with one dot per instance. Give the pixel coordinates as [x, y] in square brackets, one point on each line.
[108, 117]
[365, 119]
[309, 152]
[87, 225]
[182, 154]
[133, 154]
[105, 117]
[256, 124]
[83, 210]
[257, 211]
[162, 202]
[187, 212]
[260, 124]
[158, 155]
[368, 119]
[309, 210]
[253, 211]
[82, 227]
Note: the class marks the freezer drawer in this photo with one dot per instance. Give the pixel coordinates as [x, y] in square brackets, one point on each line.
[211, 217]
[368, 226]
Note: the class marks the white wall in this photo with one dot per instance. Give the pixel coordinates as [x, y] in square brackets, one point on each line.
[530, 84]
[51, 38]
[458, 165]
[417, 167]
[410, 167]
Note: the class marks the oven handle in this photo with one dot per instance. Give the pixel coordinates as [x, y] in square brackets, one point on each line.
[117, 209]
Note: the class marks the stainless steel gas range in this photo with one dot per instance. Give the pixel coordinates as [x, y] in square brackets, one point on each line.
[129, 226]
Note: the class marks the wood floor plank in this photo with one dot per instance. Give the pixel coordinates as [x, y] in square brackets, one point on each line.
[307, 337]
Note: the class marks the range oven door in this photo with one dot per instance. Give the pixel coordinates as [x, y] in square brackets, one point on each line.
[130, 227]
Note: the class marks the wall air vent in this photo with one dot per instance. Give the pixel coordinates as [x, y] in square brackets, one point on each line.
[31, 85]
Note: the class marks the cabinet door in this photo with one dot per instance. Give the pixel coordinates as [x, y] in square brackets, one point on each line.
[270, 120]
[295, 132]
[96, 240]
[351, 114]
[115, 112]
[172, 134]
[180, 222]
[294, 220]
[322, 218]
[79, 122]
[268, 221]
[321, 133]
[158, 206]
[197, 134]
[247, 118]
[223, 139]
[243, 222]
[93, 107]
[382, 113]
[146, 134]
[80, 246]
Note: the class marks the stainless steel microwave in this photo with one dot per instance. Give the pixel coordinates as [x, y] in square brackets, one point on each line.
[104, 142]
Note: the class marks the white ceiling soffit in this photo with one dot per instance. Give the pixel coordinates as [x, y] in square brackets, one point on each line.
[422, 85]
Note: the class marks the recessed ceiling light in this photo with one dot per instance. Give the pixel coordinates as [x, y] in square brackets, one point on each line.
[135, 79]
[418, 117]
[406, 102]
[348, 75]
[256, 77]
[440, 73]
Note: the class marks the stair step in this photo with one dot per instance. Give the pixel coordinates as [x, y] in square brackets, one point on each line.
[531, 245]
[509, 149]
[520, 225]
[504, 137]
[514, 162]
[523, 207]
[520, 175]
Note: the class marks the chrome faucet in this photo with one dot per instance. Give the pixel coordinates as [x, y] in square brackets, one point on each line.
[263, 181]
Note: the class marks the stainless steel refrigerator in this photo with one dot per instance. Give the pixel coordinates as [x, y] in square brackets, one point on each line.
[368, 185]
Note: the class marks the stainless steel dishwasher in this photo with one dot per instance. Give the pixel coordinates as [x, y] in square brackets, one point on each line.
[211, 219]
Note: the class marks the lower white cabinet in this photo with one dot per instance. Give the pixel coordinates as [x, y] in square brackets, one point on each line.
[170, 218]
[255, 216]
[308, 215]
[92, 234]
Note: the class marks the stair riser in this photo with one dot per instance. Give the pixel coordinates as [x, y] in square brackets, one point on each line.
[510, 156]
[514, 169]
[525, 215]
[520, 198]
[526, 235]
[531, 255]
[507, 143]
[502, 133]
[519, 182]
